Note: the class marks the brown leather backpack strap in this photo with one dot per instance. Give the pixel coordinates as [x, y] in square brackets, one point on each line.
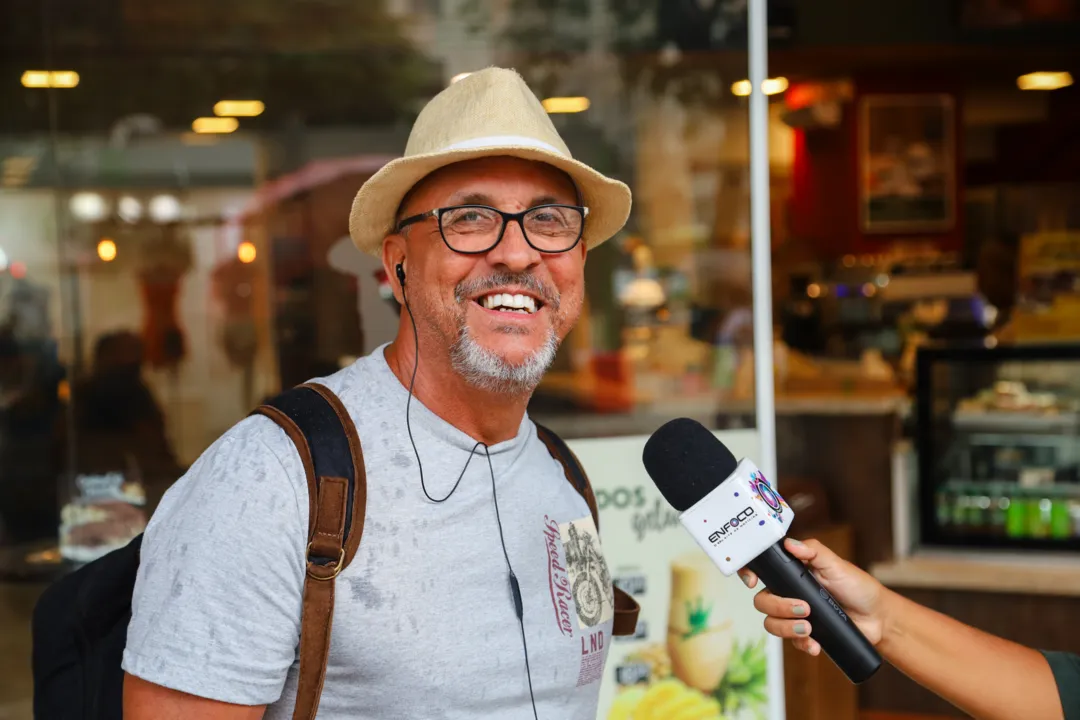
[626, 613]
[626, 607]
[356, 456]
[325, 436]
[571, 468]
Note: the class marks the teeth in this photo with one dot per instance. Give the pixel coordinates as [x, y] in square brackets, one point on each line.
[506, 301]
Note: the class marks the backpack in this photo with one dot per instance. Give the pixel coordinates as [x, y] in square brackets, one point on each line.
[79, 624]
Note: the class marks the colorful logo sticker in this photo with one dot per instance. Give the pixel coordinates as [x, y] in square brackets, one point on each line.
[764, 492]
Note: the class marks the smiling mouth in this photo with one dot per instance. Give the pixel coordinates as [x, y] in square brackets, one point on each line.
[507, 302]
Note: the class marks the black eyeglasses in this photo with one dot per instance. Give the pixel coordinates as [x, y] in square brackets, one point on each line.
[476, 229]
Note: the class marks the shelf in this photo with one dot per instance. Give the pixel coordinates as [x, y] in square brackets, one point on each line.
[1016, 422]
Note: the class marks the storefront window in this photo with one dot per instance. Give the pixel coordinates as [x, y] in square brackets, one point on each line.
[176, 180]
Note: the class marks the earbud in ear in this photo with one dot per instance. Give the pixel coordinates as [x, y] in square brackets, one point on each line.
[401, 274]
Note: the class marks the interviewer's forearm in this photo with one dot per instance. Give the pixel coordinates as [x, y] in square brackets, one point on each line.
[988, 677]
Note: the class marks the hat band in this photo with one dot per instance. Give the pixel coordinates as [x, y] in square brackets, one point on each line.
[503, 141]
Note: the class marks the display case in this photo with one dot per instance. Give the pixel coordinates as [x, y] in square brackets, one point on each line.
[998, 437]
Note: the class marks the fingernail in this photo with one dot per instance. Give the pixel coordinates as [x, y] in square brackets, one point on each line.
[799, 610]
[800, 628]
[793, 541]
[745, 580]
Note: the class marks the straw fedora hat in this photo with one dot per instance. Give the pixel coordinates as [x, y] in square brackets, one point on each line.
[490, 112]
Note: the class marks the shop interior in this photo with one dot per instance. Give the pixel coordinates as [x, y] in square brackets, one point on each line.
[168, 259]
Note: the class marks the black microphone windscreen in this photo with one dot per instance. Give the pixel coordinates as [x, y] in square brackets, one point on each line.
[686, 462]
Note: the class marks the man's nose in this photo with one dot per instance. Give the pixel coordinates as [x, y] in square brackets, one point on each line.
[514, 252]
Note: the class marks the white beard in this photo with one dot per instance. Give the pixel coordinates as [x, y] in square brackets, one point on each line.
[486, 370]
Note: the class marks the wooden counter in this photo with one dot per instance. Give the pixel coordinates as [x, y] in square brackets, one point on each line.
[983, 572]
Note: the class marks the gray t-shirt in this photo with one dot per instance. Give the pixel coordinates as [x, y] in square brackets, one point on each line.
[424, 623]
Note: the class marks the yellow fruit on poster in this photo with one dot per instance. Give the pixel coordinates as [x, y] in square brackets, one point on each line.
[666, 700]
[700, 635]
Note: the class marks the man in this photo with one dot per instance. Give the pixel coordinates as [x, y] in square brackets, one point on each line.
[985, 676]
[485, 223]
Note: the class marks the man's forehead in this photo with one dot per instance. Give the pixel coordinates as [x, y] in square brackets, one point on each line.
[468, 196]
[487, 176]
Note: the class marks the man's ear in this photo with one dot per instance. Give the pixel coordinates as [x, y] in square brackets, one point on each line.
[393, 254]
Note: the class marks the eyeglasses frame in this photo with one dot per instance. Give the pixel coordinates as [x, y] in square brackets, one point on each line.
[507, 217]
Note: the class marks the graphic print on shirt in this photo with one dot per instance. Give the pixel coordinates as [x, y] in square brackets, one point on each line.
[591, 589]
[590, 581]
[558, 579]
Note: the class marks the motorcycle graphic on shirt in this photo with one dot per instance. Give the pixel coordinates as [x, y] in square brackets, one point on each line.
[590, 581]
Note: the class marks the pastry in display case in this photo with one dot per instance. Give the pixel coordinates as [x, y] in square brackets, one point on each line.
[105, 514]
[999, 446]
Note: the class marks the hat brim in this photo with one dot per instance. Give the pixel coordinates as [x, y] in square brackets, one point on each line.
[375, 205]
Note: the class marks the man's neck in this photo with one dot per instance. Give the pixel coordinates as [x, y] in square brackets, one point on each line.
[484, 416]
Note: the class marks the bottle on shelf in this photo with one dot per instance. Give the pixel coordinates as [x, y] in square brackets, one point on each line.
[1060, 519]
[1016, 516]
[1039, 509]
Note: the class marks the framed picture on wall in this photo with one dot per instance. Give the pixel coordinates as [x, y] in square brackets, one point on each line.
[907, 163]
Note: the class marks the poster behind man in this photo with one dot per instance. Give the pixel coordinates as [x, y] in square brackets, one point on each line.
[700, 649]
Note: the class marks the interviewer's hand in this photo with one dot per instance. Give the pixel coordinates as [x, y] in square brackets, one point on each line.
[863, 597]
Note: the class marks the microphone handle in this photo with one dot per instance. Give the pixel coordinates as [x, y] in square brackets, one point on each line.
[786, 576]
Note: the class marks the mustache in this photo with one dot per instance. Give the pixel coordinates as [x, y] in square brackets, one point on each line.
[548, 294]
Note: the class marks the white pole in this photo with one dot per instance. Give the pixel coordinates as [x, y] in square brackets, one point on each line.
[761, 247]
[761, 243]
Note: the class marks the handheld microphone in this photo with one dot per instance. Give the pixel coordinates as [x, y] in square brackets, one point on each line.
[740, 521]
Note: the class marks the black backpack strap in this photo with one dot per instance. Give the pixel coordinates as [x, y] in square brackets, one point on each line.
[626, 608]
[324, 435]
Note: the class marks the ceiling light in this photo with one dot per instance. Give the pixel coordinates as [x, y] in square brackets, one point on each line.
[566, 104]
[164, 209]
[1044, 81]
[129, 209]
[239, 108]
[50, 78]
[35, 78]
[88, 207]
[246, 252]
[215, 125]
[771, 86]
[774, 86]
[106, 250]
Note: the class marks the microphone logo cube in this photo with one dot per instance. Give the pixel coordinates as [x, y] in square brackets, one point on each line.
[738, 520]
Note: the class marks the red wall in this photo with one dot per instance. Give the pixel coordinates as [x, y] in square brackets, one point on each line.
[824, 201]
